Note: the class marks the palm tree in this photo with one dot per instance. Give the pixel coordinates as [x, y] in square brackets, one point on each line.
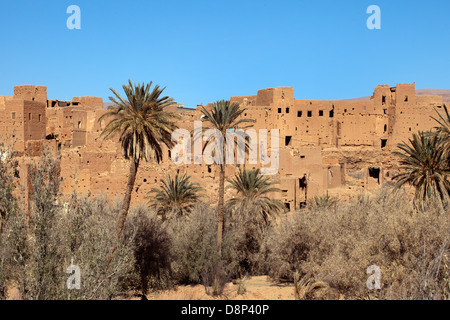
[323, 202]
[444, 131]
[143, 127]
[224, 116]
[423, 164]
[253, 192]
[175, 196]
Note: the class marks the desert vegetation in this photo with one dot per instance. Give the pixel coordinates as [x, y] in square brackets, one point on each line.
[178, 239]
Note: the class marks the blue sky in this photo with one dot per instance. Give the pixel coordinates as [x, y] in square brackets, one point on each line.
[206, 50]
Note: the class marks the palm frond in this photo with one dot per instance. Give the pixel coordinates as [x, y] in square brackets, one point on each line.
[254, 189]
[175, 196]
[140, 121]
[424, 166]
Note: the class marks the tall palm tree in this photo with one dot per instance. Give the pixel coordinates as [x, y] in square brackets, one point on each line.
[143, 127]
[444, 121]
[423, 164]
[224, 116]
[175, 196]
[253, 191]
[444, 131]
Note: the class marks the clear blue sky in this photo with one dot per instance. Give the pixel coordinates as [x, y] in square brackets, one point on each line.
[206, 50]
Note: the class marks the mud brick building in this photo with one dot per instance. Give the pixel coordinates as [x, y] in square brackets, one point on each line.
[338, 148]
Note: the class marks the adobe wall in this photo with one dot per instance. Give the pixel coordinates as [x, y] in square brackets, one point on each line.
[31, 93]
[326, 147]
[89, 102]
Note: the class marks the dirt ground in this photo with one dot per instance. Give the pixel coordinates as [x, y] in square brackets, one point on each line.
[255, 288]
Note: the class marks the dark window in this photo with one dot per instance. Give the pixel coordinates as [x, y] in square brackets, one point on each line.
[299, 114]
[287, 206]
[288, 140]
[385, 127]
[406, 99]
[320, 113]
[209, 169]
[279, 110]
[383, 100]
[302, 183]
[332, 113]
[287, 110]
[383, 143]
[375, 173]
[309, 114]
[29, 116]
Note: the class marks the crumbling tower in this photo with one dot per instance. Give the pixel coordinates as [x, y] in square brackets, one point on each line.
[24, 117]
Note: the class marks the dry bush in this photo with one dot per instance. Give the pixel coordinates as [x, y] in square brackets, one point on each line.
[36, 257]
[337, 245]
[8, 208]
[44, 239]
[214, 279]
[88, 228]
[194, 244]
[244, 235]
[152, 248]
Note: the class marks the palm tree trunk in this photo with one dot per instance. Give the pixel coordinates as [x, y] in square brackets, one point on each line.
[127, 199]
[134, 165]
[221, 211]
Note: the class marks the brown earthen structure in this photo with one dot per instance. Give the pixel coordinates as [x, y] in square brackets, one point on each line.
[337, 148]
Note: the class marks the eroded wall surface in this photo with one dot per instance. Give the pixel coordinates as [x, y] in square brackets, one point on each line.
[326, 147]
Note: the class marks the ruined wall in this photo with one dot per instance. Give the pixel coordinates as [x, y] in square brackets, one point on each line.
[31, 93]
[326, 147]
[349, 127]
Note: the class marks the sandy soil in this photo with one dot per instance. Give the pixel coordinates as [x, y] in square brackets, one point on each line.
[255, 288]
